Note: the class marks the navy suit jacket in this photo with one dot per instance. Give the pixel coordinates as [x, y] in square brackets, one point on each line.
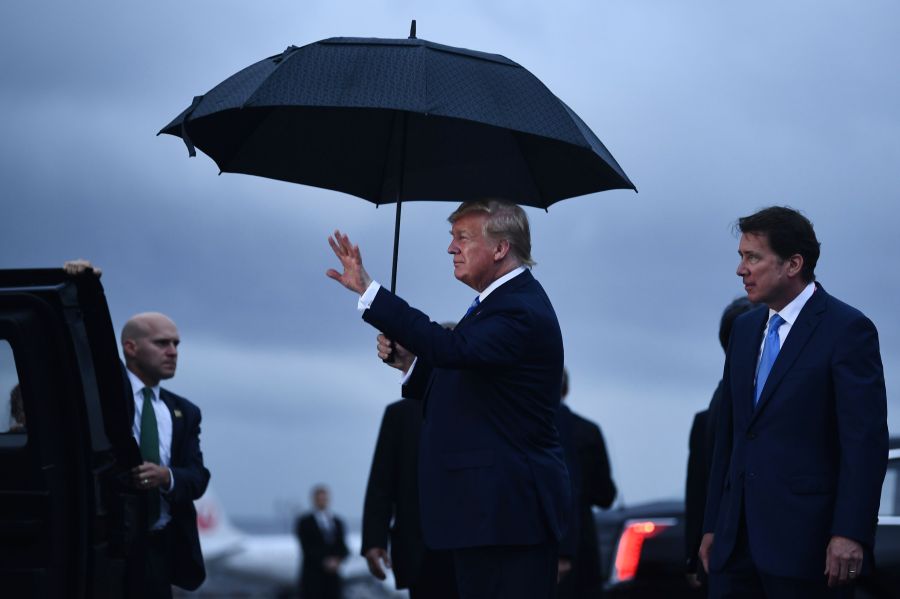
[391, 508]
[491, 468]
[807, 462]
[191, 478]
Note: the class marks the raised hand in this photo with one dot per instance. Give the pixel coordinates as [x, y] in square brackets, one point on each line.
[354, 277]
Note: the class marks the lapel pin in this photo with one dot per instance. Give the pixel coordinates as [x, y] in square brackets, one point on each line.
[177, 413]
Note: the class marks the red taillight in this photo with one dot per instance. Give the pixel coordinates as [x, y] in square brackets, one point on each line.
[628, 553]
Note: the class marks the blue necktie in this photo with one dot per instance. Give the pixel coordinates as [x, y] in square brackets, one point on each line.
[473, 305]
[769, 353]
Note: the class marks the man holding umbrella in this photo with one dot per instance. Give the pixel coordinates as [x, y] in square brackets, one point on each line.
[493, 483]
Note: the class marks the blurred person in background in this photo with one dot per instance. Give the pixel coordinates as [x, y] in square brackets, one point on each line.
[581, 577]
[321, 536]
[700, 453]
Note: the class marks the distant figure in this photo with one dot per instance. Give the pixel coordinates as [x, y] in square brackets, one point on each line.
[16, 410]
[321, 536]
[593, 486]
[702, 442]
[492, 476]
[391, 511]
[801, 439]
[167, 429]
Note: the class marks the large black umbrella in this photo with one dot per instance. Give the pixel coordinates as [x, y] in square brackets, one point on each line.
[394, 120]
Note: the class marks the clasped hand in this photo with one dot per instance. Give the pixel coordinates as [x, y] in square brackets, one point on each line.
[150, 476]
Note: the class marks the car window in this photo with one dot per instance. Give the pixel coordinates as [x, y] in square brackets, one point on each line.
[890, 493]
[12, 406]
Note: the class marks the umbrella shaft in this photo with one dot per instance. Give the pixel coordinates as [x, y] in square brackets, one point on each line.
[396, 247]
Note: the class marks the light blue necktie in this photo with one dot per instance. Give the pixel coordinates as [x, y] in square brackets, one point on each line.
[473, 305]
[769, 353]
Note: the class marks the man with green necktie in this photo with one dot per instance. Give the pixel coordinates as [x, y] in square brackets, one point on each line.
[167, 429]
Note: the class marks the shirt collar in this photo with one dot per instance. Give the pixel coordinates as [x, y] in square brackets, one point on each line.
[137, 385]
[790, 312]
[490, 288]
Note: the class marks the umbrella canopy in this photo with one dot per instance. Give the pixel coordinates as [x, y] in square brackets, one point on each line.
[395, 120]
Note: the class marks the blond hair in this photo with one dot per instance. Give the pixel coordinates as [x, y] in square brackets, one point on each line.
[505, 220]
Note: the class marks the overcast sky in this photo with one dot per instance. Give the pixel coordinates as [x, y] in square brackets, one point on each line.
[714, 109]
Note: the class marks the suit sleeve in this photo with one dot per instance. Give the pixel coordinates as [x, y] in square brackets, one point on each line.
[598, 482]
[191, 476]
[500, 339]
[565, 421]
[722, 449]
[378, 508]
[695, 490]
[415, 386]
[861, 419]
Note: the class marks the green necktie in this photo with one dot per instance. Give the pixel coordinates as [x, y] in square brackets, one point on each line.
[150, 450]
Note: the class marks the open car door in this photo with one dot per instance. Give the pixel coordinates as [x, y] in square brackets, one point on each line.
[67, 517]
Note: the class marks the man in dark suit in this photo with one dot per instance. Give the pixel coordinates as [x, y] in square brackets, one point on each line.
[321, 536]
[492, 479]
[801, 446]
[391, 510]
[589, 466]
[700, 445]
[167, 428]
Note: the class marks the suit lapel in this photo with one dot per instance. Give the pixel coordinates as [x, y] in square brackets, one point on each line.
[515, 283]
[801, 331]
[177, 423]
[746, 355]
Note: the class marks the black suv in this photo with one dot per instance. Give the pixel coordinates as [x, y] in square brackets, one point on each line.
[67, 520]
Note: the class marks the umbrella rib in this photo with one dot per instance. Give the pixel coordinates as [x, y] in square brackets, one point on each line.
[379, 194]
[280, 61]
[527, 162]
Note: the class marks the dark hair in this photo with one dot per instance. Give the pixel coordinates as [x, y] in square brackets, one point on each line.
[788, 232]
[732, 311]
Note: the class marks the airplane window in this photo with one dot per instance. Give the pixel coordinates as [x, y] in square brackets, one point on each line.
[12, 407]
[890, 492]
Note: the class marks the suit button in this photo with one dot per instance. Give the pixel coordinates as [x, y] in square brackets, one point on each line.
[751, 475]
[751, 436]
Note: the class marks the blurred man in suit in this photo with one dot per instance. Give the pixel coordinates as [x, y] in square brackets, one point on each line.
[321, 536]
[492, 478]
[594, 486]
[167, 429]
[701, 444]
[801, 444]
[391, 511]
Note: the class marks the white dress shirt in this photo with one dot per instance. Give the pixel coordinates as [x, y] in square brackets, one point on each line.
[326, 524]
[789, 313]
[164, 427]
